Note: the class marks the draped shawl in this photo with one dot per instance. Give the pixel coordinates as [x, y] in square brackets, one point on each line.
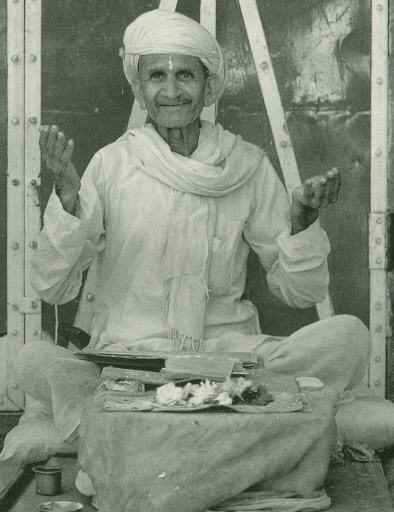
[222, 163]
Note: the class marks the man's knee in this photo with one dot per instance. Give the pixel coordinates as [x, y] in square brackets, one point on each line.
[355, 332]
[28, 355]
[346, 334]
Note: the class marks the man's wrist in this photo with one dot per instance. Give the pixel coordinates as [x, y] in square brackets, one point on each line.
[302, 217]
[70, 202]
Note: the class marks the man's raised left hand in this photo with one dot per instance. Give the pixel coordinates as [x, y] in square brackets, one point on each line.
[316, 192]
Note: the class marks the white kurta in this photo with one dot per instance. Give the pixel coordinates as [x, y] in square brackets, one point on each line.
[122, 226]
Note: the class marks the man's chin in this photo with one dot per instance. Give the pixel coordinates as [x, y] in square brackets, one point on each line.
[174, 124]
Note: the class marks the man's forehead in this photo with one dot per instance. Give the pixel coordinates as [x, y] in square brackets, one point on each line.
[160, 60]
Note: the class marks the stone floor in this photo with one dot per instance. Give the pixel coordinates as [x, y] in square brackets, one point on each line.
[387, 459]
[7, 421]
[353, 487]
[24, 498]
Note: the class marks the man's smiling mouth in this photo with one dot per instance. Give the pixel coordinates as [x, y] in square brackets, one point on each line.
[174, 104]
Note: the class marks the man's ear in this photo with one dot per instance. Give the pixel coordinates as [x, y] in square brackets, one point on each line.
[211, 85]
[137, 91]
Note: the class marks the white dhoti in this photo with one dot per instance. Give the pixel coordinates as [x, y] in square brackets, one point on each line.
[335, 350]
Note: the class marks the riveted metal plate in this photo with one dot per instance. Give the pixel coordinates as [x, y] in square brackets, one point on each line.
[30, 305]
[377, 240]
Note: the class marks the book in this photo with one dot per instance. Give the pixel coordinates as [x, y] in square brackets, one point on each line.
[175, 362]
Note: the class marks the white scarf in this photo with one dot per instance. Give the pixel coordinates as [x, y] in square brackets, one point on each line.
[221, 163]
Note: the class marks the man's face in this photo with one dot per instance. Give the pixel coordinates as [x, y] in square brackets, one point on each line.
[172, 87]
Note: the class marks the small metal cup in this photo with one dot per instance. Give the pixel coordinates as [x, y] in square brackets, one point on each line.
[48, 480]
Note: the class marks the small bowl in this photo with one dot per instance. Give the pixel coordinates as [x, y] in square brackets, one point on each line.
[48, 480]
[60, 506]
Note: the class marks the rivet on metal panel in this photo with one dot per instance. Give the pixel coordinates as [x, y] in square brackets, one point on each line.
[378, 328]
[379, 7]
[90, 297]
[33, 58]
[14, 386]
[14, 307]
[33, 119]
[34, 304]
[14, 246]
[377, 383]
[15, 120]
[15, 182]
[378, 152]
[378, 306]
[33, 182]
[33, 244]
[14, 332]
[378, 240]
[378, 359]
[15, 58]
[378, 261]
[283, 143]
[35, 333]
[264, 65]
[379, 80]
[379, 220]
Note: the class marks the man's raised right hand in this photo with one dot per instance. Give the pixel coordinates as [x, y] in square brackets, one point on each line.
[57, 153]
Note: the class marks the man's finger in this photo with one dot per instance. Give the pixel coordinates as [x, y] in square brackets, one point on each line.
[59, 146]
[333, 185]
[308, 189]
[320, 191]
[67, 153]
[43, 139]
[52, 138]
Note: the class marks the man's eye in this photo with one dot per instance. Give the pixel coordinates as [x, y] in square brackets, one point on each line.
[157, 75]
[184, 75]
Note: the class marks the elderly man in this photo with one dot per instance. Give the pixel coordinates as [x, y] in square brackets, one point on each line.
[168, 214]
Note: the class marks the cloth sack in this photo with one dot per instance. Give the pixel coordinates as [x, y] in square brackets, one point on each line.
[35, 438]
[190, 462]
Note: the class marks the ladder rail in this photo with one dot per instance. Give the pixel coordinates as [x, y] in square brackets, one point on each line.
[276, 115]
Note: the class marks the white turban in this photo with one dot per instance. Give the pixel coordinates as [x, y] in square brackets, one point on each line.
[161, 31]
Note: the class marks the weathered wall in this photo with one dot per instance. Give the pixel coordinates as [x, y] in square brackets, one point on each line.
[320, 53]
[390, 359]
[3, 166]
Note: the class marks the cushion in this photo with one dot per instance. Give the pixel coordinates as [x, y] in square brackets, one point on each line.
[368, 420]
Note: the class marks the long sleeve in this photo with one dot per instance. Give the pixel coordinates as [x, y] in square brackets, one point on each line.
[68, 244]
[296, 265]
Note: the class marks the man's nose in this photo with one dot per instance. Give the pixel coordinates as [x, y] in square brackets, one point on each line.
[171, 87]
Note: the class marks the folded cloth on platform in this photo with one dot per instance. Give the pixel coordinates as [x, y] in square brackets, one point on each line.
[273, 502]
[246, 501]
